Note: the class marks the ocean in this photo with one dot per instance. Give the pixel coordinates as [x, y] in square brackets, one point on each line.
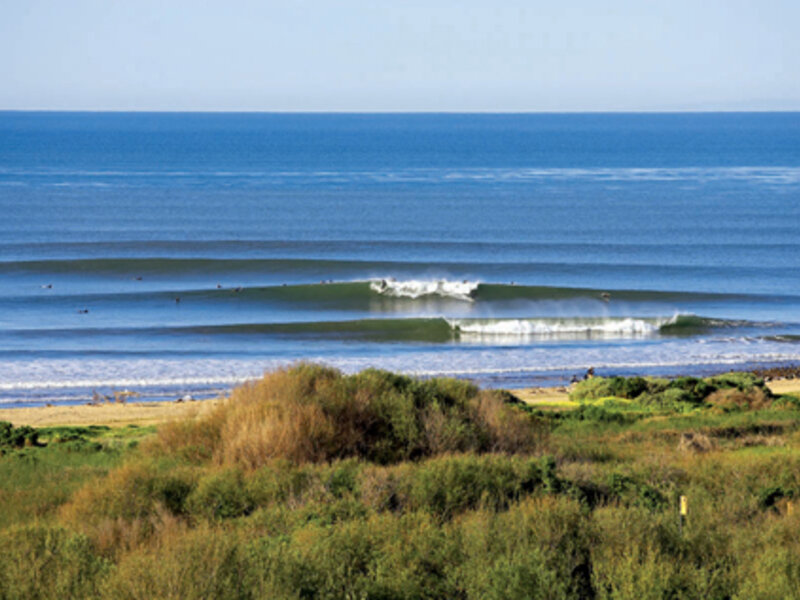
[182, 253]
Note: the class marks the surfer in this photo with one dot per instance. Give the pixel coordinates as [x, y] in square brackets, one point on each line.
[605, 296]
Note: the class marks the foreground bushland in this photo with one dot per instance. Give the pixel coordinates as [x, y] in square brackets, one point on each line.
[312, 484]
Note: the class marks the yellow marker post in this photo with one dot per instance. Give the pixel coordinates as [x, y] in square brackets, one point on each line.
[684, 510]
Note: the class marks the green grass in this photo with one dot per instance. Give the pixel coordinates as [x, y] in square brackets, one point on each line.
[573, 503]
[36, 481]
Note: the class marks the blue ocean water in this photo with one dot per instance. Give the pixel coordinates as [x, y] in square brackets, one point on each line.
[183, 253]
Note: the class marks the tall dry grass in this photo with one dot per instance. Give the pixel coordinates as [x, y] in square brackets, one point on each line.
[310, 413]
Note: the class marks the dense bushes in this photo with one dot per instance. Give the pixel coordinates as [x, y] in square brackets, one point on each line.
[142, 492]
[42, 562]
[540, 547]
[728, 391]
[482, 504]
[16, 437]
[537, 549]
[221, 495]
[134, 491]
[312, 413]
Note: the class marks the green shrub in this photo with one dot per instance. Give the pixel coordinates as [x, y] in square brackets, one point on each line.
[534, 550]
[768, 496]
[42, 563]
[221, 495]
[81, 445]
[697, 389]
[600, 387]
[742, 381]
[539, 548]
[600, 414]
[627, 387]
[193, 565]
[281, 482]
[450, 485]
[17, 437]
[381, 556]
[343, 478]
[670, 399]
[773, 573]
[133, 491]
[593, 388]
[518, 576]
[65, 433]
[676, 394]
[635, 493]
[787, 401]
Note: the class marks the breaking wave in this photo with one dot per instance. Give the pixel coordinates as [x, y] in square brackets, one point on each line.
[623, 327]
[421, 329]
[414, 288]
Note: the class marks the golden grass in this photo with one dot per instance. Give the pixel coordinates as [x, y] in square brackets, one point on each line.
[311, 414]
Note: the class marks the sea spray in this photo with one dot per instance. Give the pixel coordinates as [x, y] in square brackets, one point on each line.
[415, 288]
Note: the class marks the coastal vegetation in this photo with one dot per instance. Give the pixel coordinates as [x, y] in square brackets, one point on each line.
[309, 483]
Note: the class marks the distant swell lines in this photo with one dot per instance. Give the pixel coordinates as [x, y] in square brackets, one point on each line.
[754, 174]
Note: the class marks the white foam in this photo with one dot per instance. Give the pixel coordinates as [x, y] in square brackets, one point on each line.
[53, 374]
[605, 327]
[123, 382]
[55, 379]
[417, 288]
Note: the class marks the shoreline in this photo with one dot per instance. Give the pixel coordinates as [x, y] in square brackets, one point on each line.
[156, 413]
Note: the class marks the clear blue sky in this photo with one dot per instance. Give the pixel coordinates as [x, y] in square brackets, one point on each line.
[406, 55]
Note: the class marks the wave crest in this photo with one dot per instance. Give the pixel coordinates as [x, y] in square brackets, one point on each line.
[620, 326]
[416, 288]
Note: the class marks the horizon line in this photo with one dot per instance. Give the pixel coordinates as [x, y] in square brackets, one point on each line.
[401, 112]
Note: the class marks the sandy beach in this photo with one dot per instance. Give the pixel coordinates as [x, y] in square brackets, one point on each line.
[153, 413]
[111, 414]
